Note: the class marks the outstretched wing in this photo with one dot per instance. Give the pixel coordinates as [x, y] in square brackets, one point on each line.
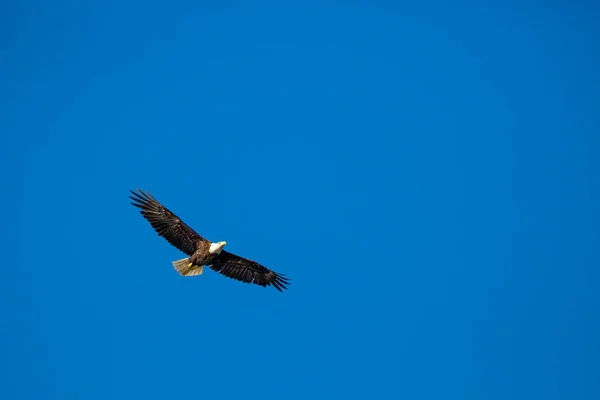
[167, 224]
[248, 271]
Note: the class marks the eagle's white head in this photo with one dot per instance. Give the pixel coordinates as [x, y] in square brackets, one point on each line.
[215, 248]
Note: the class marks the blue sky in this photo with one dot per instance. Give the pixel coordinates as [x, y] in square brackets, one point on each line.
[426, 174]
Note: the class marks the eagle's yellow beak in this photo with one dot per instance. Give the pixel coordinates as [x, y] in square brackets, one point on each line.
[223, 243]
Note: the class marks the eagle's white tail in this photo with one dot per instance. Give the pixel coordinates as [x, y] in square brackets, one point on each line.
[185, 268]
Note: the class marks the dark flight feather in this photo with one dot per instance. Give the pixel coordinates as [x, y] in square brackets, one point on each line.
[167, 224]
[248, 271]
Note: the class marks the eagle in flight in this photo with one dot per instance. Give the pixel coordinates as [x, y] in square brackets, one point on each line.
[201, 251]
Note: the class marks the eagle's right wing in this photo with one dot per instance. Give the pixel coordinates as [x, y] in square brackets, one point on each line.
[167, 224]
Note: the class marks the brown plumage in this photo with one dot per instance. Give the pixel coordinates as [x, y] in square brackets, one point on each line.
[197, 248]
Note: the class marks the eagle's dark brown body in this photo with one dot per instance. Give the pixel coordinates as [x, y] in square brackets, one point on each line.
[202, 256]
[184, 238]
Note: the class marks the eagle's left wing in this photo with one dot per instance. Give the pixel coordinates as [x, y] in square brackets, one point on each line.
[248, 271]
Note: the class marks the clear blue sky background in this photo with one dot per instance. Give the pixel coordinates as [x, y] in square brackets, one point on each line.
[427, 175]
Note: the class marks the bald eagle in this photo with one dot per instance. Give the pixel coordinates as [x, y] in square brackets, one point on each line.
[201, 251]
